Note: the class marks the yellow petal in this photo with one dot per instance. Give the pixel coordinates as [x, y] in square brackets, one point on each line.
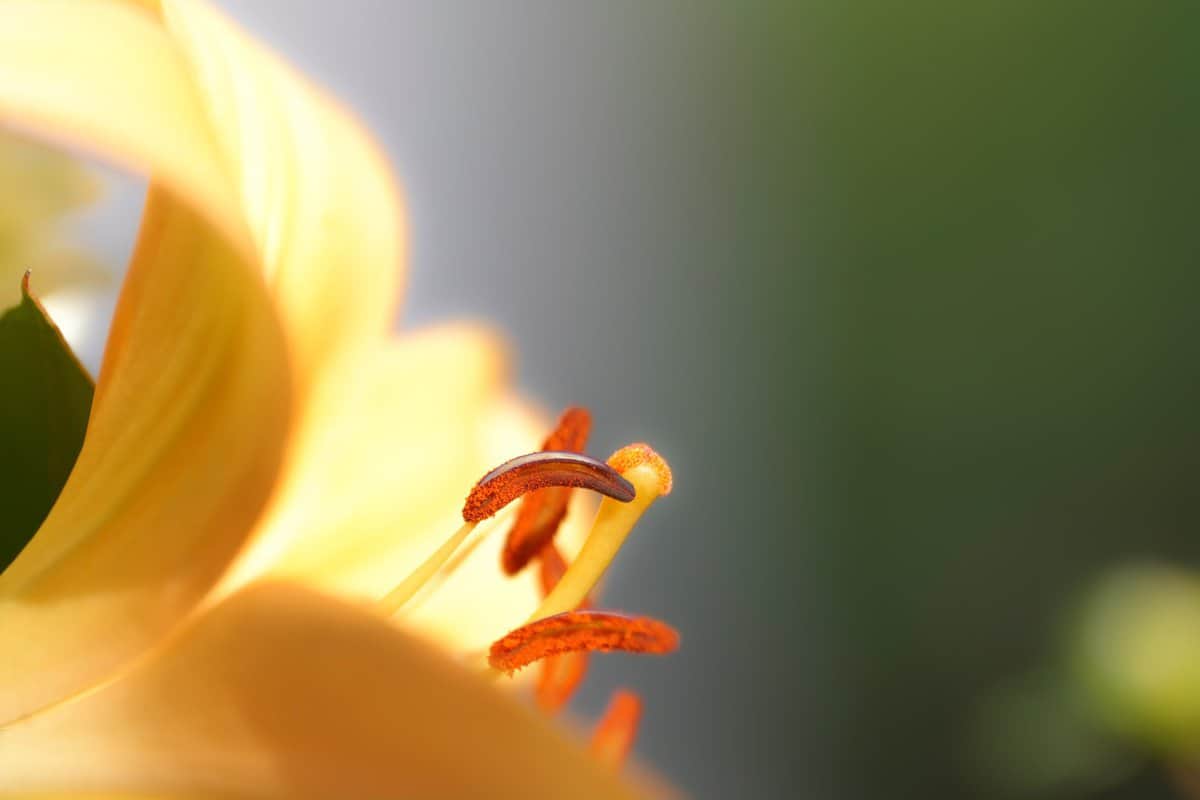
[277, 166]
[279, 692]
[316, 192]
[423, 418]
[396, 455]
[183, 445]
[195, 405]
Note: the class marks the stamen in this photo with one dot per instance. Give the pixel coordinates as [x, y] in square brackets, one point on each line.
[616, 731]
[558, 680]
[524, 474]
[538, 520]
[552, 566]
[651, 477]
[562, 674]
[581, 631]
[571, 432]
[397, 597]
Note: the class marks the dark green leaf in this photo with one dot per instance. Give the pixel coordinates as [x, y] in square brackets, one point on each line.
[45, 397]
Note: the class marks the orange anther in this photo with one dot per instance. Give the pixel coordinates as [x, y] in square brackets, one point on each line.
[581, 631]
[542, 511]
[617, 729]
[560, 675]
[552, 566]
[571, 432]
[527, 473]
[558, 680]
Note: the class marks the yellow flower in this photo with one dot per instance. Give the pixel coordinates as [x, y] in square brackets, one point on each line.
[254, 420]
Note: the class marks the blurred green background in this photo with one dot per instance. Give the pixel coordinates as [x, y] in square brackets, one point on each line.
[905, 292]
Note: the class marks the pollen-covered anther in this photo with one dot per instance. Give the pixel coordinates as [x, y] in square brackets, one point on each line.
[617, 729]
[581, 631]
[559, 679]
[527, 473]
[542, 511]
[560, 675]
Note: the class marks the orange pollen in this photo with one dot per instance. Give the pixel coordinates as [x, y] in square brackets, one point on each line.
[543, 511]
[527, 473]
[552, 566]
[537, 522]
[571, 432]
[558, 680]
[581, 631]
[562, 674]
[616, 731]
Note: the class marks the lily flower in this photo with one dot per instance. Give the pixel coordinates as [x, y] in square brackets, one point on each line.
[245, 587]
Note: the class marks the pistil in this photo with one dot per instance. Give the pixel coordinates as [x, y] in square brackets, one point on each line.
[650, 476]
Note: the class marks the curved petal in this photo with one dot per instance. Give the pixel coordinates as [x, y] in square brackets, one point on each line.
[194, 407]
[279, 692]
[316, 192]
[182, 448]
[424, 416]
[397, 453]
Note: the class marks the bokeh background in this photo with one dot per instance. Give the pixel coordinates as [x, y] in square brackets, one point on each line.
[907, 294]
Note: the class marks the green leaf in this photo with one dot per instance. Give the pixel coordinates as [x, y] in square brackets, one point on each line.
[45, 398]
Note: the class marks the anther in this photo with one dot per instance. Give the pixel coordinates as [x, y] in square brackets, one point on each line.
[571, 431]
[527, 473]
[558, 680]
[560, 675]
[581, 631]
[617, 729]
[551, 567]
[543, 511]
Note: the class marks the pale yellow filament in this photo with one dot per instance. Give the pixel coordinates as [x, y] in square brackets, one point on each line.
[396, 598]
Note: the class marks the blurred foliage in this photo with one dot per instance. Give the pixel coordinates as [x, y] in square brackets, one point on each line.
[999, 202]
[1136, 651]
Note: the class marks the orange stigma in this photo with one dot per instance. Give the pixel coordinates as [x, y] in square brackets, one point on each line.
[581, 631]
[527, 473]
[617, 729]
[542, 511]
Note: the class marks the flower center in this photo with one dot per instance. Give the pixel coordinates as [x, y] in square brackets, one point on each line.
[559, 634]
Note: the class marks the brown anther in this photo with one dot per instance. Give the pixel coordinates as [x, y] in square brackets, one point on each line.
[637, 454]
[581, 631]
[617, 729]
[527, 473]
[543, 511]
